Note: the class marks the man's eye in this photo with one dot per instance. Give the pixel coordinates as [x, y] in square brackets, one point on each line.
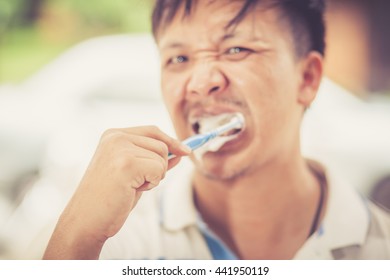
[237, 53]
[235, 50]
[178, 59]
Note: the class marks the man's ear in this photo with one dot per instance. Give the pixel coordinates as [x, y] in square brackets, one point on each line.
[311, 73]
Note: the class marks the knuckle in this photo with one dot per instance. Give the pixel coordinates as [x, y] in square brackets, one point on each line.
[109, 132]
[112, 135]
[154, 180]
[152, 172]
[163, 149]
[158, 173]
[163, 168]
[138, 181]
[173, 143]
[153, 129]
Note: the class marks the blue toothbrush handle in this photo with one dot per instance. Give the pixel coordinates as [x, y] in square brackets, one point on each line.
[199, 140]
[196, 141]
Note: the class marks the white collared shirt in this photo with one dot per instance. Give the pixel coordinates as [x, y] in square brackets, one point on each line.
[165, 225]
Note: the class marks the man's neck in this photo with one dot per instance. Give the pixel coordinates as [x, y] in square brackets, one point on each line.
[265, 214]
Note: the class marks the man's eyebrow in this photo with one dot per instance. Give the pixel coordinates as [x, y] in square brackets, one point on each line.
[238, 34]
[172, 45]
[241, 35]
[225, 37]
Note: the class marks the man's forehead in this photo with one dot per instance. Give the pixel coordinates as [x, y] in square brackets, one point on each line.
[226, 9]
[214, 22]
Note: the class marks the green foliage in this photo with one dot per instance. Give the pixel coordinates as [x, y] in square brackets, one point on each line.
[125, 15]
[28, 42]
[8, 10]
[23, 53]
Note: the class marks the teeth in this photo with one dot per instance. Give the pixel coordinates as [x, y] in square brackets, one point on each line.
[233, 132]
[206, 124]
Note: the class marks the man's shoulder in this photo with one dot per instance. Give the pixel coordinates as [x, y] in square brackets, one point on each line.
[376, 245]
[380, 221]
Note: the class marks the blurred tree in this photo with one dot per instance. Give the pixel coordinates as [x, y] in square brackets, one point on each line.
[104, 15]
[32, 32]
[120, 15]
[31, 11]
[8, 10]
[359, 43]
[17, 13]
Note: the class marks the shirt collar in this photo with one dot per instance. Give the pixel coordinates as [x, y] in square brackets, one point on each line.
[347, 218]
[346, 221]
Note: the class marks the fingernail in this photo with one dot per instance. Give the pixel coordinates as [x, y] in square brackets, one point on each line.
[186, 149]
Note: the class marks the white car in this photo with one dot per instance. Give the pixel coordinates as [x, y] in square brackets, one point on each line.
[50, 125]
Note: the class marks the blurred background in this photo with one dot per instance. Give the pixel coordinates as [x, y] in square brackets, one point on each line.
[359, 43]
[70, 69]
[33, 32]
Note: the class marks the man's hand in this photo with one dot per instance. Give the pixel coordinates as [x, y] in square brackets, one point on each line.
[126, 163]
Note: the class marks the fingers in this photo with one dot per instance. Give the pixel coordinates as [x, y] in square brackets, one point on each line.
[174, 146]
[126, 162]
[140, 155]
[150, 173]
[150, 144]
[173, 162]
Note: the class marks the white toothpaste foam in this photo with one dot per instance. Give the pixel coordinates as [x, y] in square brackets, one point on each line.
[209, 123]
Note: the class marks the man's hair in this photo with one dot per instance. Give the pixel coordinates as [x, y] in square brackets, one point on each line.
[306, 18]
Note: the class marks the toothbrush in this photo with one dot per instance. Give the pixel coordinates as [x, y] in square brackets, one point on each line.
[197, 141]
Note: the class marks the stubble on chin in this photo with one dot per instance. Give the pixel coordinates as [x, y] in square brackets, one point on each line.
[222, 173]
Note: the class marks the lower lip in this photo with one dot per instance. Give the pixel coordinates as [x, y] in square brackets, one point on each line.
[233, 144]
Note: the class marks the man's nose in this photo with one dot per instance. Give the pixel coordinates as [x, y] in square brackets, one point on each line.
[206, 79]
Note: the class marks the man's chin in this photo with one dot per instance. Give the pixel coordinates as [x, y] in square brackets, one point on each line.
[218, 170]
[221, 176]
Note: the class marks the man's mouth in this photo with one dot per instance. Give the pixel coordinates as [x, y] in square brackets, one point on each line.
[208, 123]
[227, 127]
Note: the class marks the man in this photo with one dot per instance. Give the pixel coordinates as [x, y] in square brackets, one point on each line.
[254, 198]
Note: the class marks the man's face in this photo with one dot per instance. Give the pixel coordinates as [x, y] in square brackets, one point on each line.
[251, 68]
